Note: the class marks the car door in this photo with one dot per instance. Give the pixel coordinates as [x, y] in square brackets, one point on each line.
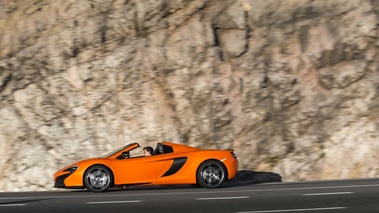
[137, 170]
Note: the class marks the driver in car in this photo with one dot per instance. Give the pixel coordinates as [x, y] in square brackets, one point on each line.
[148, 151]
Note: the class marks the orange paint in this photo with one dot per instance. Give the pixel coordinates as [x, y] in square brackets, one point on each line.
[179, 164]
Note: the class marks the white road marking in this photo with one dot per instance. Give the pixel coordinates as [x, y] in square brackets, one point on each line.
[330, 193]
[12, 205]
[197, 192]
[221, 198]
[296, 210]
[114, 202]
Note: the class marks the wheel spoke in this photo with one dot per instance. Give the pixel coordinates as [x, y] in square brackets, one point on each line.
[217, 178]
[91, 177]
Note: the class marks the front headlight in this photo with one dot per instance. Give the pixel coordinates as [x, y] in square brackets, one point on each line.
[71, 169]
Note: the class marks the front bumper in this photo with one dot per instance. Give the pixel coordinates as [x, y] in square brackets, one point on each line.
[59, 182]
[68, 178]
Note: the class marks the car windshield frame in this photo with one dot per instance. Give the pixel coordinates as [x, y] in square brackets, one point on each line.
[118, 150]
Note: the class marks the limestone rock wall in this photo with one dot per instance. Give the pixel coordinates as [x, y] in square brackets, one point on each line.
[291, 85]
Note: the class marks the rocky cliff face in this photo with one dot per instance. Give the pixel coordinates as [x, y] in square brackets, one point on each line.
[291, 85]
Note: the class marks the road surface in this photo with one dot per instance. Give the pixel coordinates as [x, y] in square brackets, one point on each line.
[343, 196]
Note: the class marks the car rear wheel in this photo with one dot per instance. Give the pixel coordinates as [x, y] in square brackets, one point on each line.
[211, 174]
[98, 178]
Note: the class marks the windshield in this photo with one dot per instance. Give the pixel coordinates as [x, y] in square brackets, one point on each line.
[118, 150]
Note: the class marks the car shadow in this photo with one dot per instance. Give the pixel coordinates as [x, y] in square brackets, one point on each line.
[248, 177]
[22, 201]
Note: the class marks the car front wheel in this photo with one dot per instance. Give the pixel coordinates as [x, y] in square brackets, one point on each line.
[211, 174]
[98, 178]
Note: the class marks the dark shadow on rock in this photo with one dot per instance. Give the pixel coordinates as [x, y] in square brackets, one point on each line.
[245, 177]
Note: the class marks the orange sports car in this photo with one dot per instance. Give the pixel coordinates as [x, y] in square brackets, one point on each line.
[170, 163]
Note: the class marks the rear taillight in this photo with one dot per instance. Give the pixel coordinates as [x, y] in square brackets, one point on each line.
[233, 154]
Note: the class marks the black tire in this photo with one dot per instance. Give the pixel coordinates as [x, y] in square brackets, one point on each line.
[211, 174]
[98, 178]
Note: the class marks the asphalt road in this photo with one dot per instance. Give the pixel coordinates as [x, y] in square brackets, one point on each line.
[324, 196]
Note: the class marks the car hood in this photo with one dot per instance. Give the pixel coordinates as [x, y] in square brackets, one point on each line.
[82, 164]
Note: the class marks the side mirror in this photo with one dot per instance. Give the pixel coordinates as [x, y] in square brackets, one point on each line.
[124, 155]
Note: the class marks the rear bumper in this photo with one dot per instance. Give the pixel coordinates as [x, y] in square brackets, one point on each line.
[232, 166]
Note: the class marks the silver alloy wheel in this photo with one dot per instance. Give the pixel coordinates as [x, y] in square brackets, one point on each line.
[211, 174]
[98, 178]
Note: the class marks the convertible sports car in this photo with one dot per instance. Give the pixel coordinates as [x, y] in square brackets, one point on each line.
[170, 163]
